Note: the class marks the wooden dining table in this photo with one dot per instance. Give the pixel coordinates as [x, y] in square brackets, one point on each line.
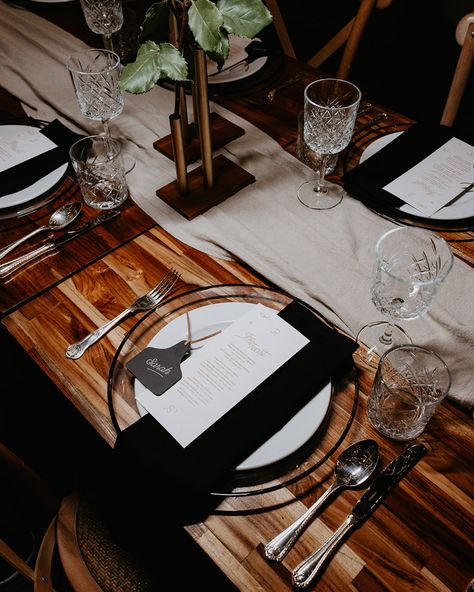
[419, 539]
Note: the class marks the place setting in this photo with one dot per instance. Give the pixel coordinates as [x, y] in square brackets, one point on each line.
[417, 174]
[255, 439]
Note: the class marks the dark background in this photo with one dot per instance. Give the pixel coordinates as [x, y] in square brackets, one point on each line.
[407, 56]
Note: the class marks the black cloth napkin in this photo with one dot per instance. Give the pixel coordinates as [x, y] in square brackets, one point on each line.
[26, 173]
[147, 451]
[366, 180]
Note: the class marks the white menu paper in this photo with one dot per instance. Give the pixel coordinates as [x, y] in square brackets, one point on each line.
[25, 143]
[223, 373]
[437, 179]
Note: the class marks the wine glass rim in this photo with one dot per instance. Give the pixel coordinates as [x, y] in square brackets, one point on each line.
[415, 282]
[335, 108]
[111, 68]
[419, 348]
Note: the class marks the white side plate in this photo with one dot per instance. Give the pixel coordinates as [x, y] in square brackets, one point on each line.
[237, 52]
[9, 132]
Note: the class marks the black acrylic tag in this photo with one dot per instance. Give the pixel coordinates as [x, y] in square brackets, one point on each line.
[158, 369]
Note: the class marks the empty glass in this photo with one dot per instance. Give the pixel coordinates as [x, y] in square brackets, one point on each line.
[95, 74]
[330, 111]
[97, 161]
[410, 266]
[410, 383]
[103, 17]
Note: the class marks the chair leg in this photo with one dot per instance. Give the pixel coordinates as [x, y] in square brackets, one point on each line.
[461, 75]
[44, 560]
[16, 561]
[357, 30]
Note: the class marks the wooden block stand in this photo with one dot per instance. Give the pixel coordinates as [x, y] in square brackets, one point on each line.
[229, 178]
[223, 131]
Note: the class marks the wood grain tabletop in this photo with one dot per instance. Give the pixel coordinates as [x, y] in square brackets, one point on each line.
[420, 539]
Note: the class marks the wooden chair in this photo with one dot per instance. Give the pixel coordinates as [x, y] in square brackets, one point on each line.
[465, 38]
[77, 548]
[350, 35]
[78, 552]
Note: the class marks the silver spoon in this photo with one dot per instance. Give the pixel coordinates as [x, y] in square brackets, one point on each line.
[59, 219]
[353, 468]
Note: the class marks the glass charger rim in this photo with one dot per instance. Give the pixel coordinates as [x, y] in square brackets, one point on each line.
[388, 212]
[298, 470]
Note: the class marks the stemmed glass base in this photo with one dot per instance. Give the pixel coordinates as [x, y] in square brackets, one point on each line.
[320, 197]
[379, 337]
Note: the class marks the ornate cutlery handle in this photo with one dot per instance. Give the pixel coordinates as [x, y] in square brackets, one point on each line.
[75, 350]
[14, 264]
[278, 547]
[309, 568]
[21, 240]
[271, 94]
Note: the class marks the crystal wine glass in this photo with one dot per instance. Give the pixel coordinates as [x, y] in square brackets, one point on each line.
[95, 75]
[330, 111]
[410, 266]
[103, 17]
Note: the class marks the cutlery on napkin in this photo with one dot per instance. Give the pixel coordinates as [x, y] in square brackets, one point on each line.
[26, 173]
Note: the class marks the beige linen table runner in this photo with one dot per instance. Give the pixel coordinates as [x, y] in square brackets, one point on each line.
[323, 257]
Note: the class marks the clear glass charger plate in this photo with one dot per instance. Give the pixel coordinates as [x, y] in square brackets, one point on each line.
[329, 429]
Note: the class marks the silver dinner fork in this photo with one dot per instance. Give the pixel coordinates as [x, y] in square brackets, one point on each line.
[145, 302]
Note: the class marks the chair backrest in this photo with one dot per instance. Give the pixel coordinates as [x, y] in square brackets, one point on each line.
[350, 35]
[465, 38]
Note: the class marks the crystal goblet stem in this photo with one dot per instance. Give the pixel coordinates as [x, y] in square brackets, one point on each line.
[330, 111]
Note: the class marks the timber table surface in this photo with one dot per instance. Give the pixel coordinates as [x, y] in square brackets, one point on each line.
[420, 539]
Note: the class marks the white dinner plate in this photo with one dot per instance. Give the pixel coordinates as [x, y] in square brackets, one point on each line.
[213, 317]
[236, 53]
[8, 133]
[462, 208]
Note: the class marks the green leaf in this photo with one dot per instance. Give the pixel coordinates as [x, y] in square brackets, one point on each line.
[153, 62]
[172, 63]
[205, 22]
[245, 18]
[221, 56]
[155, 26]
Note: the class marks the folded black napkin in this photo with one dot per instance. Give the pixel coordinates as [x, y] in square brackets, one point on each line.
[26, 173]
[147, 448]
[366, 180]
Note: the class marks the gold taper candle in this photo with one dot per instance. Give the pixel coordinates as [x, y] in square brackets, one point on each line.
[179, 153]
[200, 73]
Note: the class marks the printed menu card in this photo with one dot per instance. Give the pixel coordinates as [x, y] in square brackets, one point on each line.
[152, 454]
[221, 374]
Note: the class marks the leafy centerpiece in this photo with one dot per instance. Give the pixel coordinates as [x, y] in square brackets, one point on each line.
[173, 28]
[176, 38]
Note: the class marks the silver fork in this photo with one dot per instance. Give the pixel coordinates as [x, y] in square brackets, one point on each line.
[145, 302]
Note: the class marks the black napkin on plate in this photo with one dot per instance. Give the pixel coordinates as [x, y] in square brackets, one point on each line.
[366, 180]
[26, 173]
[149, 453]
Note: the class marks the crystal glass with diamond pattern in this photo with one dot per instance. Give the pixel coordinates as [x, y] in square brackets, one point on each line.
[95, 75]
[411, 264]
[103, 17]
[97, 161]
[330, 111]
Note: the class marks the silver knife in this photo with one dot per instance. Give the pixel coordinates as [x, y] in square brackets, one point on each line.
[54, 243]
[306, 571]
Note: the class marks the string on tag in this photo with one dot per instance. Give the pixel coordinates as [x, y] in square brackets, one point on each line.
[190, 341]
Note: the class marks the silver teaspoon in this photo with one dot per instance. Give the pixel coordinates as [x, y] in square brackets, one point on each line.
[353, 468]
[59, 219]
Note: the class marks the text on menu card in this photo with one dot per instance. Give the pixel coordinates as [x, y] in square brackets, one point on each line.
[25, 143]
[223, 372]
[437, 179]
